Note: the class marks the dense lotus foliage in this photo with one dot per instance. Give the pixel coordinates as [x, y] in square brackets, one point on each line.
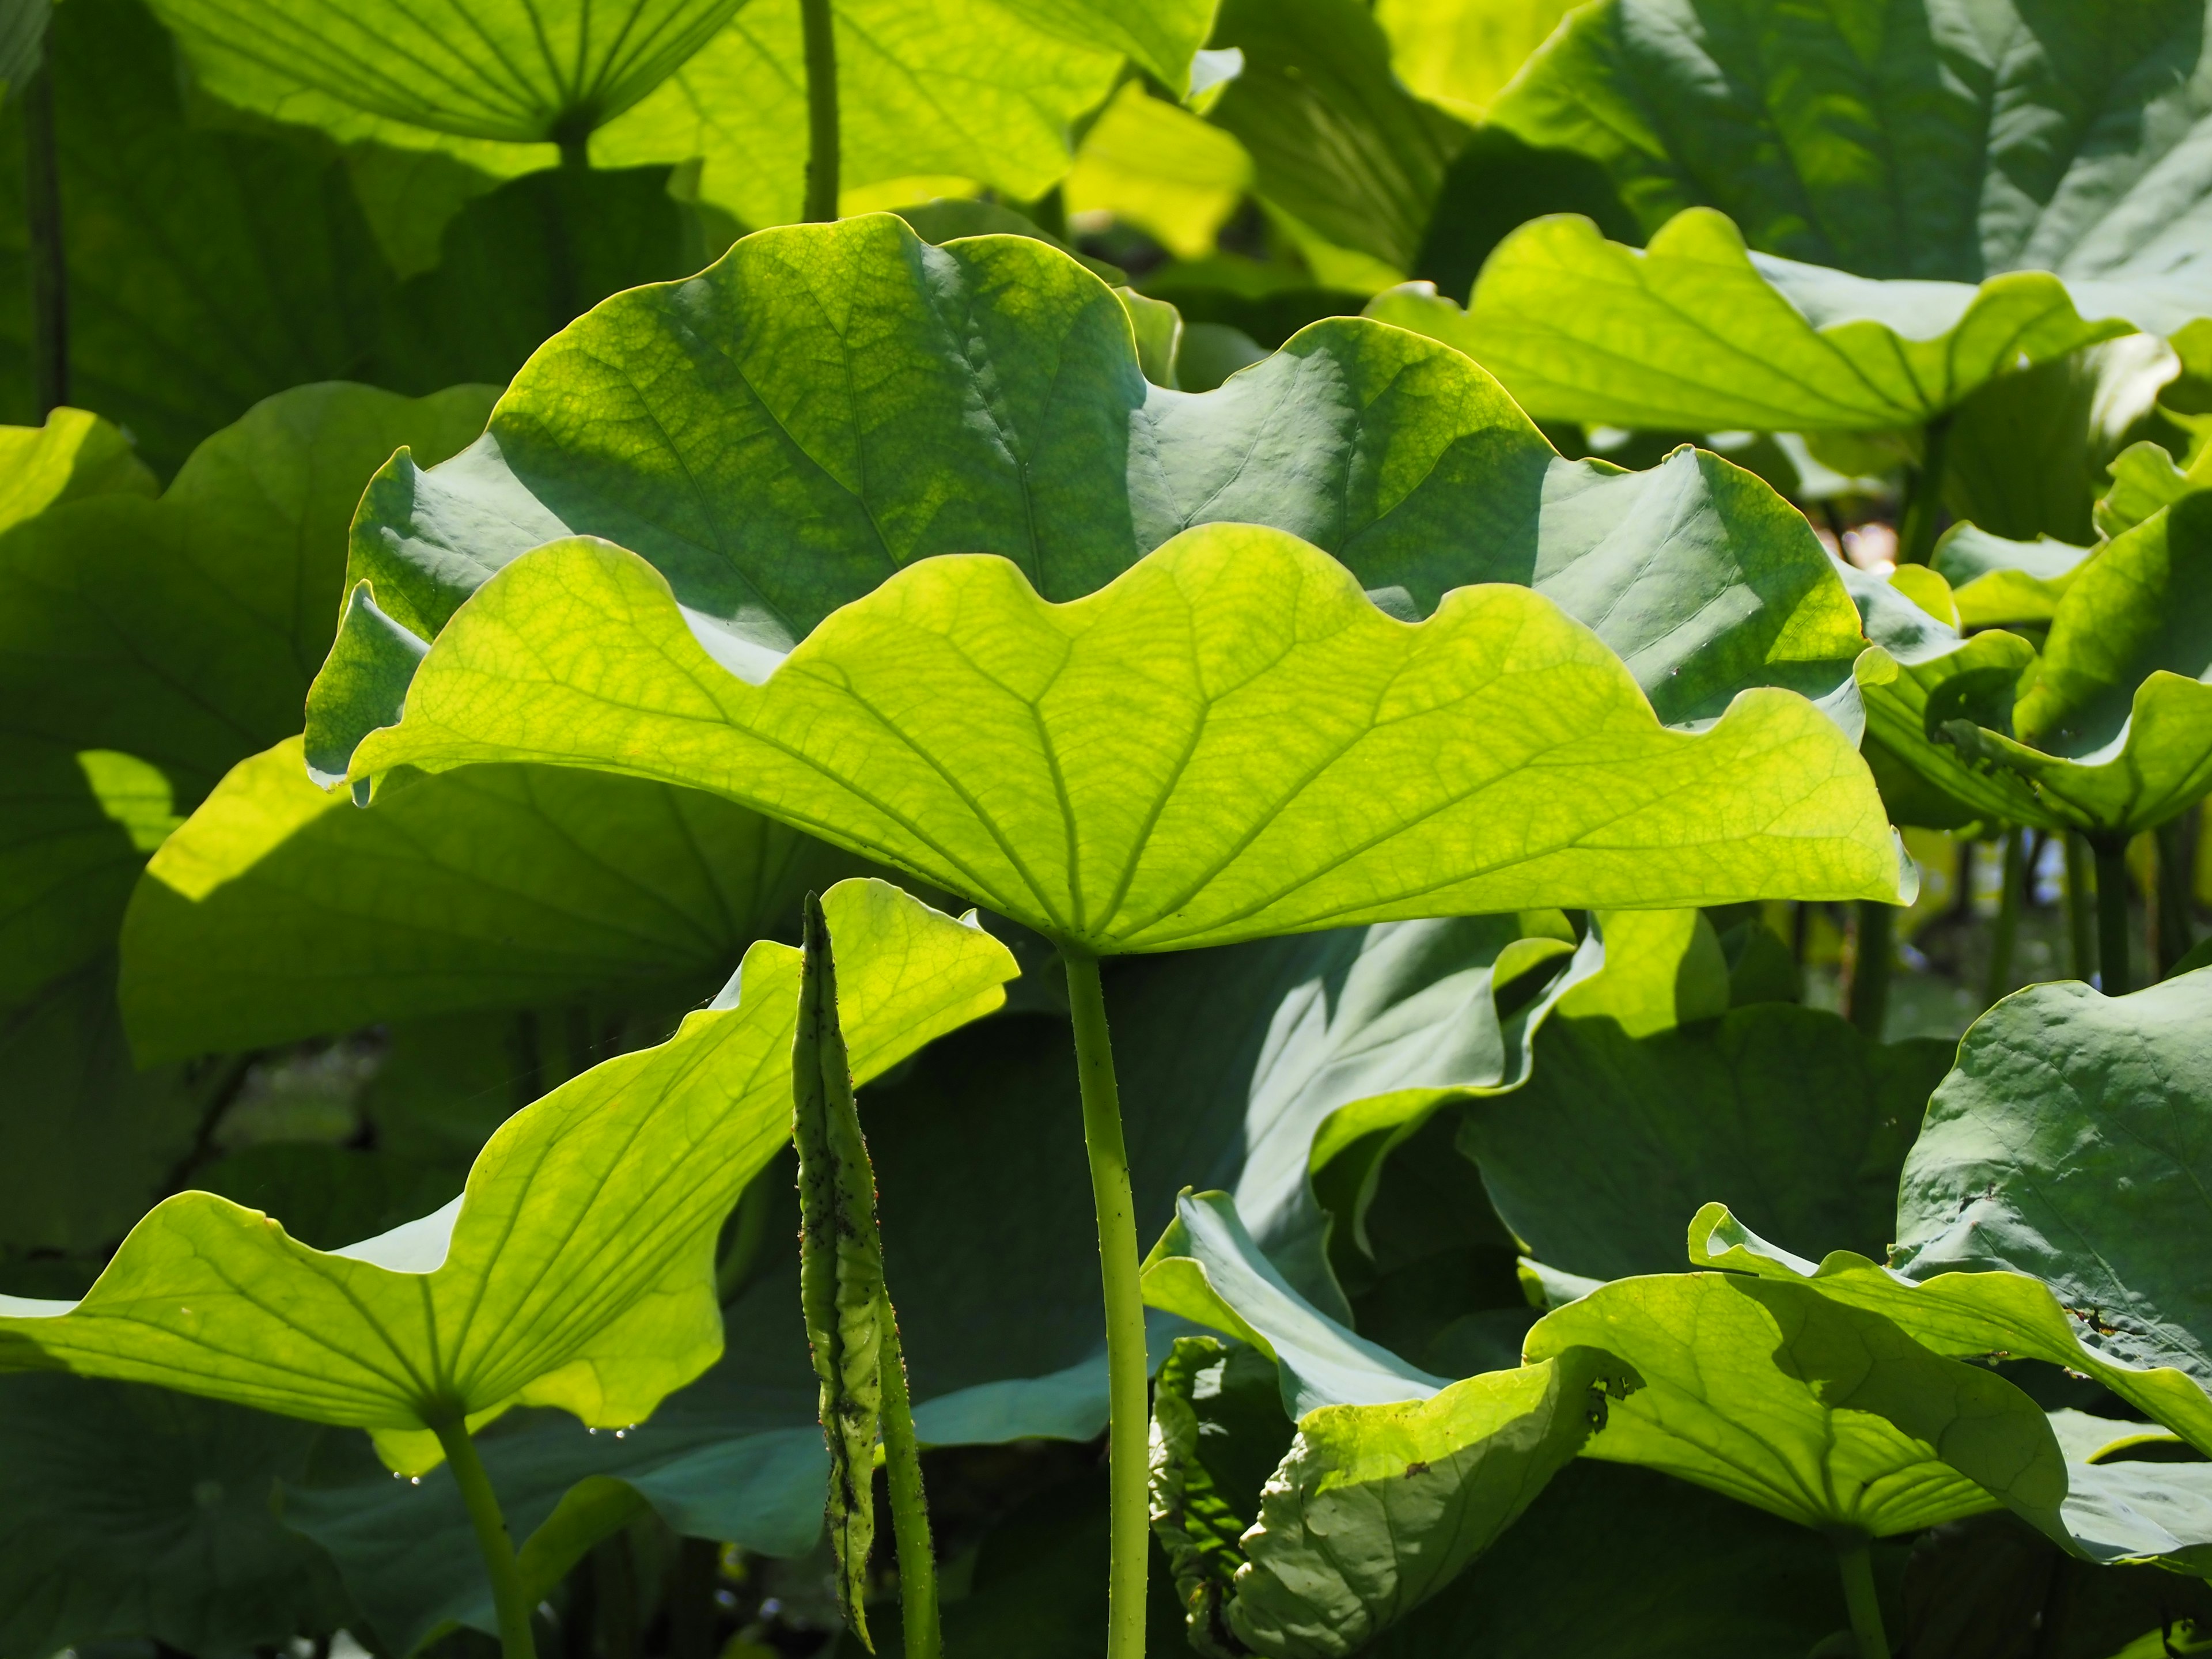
[1052, 828]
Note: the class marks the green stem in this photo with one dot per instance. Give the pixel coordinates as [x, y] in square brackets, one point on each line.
[2080, 919]
[917, 1557]
[49, 267]
[1860, 1596]
[819, 28]
[2176, 857]
[2115, 979]
[515, 1640]
[1127, 1374]
[2012, 893]
[1916, 527]
[1868, 993]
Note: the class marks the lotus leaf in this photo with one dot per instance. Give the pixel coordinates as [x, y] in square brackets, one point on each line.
[690, 424]
[1230, 741]
[1155, 164]
[1460, 55]
[1395, 1478]
[1995, 581]
[1025, 71]
[1616, 1136]
[280, 912]
[207, 269]
[1815, 1411]
[576, 1270]
[1934, 193]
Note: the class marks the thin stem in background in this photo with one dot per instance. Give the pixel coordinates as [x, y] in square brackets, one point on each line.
[2080, 917]
[917, 1558]
[1127, 1374]
[493, 1539]
[1917, 524]
[49, 265]
[2170, 918]
[1866, 999]
[2116, 975]
[819, 27]
[1861, 1597]
[2012, 895]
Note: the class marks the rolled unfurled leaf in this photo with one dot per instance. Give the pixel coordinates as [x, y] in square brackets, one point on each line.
[841, 1265]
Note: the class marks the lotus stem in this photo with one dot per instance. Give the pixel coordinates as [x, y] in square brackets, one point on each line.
[1861, 1597]
[2081, 920]
[819, 28]
[917, 1557]
[1867, 996]
[2115, 978]
[48, 261]
[1129, 1423]
[2012, 893]
[2176, 847]
[493, 1539]
[1923, 502]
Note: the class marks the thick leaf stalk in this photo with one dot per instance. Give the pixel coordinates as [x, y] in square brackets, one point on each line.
[1127, 1376]
[1873, 955]
[2012, 897]
[1857, 1567]
[510, 1603]
[850, 1327]
[49, 267]
[818, 25]
[2115, 972]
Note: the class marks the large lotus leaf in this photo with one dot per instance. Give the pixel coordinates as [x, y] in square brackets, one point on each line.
[1695, 332]
[207, 269]
[993, 403]
[2001, 1314]
[1396, 1480]
[577, 1270]
[2144, 479]
[1787, 1112]
[984, 90]
[2113, 721]
[280, 912]
[1230, 741]
[511, 71]
[1336, 142]
[1156, 165]
[1809, 1408]
[1950, 141]
[131, 1511]
[2072, 1144]
[74, 454]
[1996, 582]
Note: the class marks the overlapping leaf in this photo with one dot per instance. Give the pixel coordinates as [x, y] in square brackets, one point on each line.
[577, 1269]
[1230, 741]
[827, 404]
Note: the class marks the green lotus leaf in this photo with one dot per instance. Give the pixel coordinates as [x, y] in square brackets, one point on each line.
[1968, 1314]
[1396, 1480]
[2144, 479]
[510, 72]
[1995, 581]
[132, 1512]
[1593, 1163]
[688, 423]
[2123, 1509]
[280, 912]
[1104, 783]
[73, 455]
[1460, 55]
[2113, 721]
[1024, 71]
[1808, 1407]
[577, 1270]
[207, 269]
[1336, 142]
[1697, 333]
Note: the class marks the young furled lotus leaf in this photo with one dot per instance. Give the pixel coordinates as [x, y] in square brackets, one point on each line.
[280, 911]
[2039, 1211]
[1818, 1412]
[1620, 1132]
[2108, 731]
[1230, 741]
[1395, 1480]
[690, 423]
[577, 1269]
[1890, 279]
[1026, 71]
